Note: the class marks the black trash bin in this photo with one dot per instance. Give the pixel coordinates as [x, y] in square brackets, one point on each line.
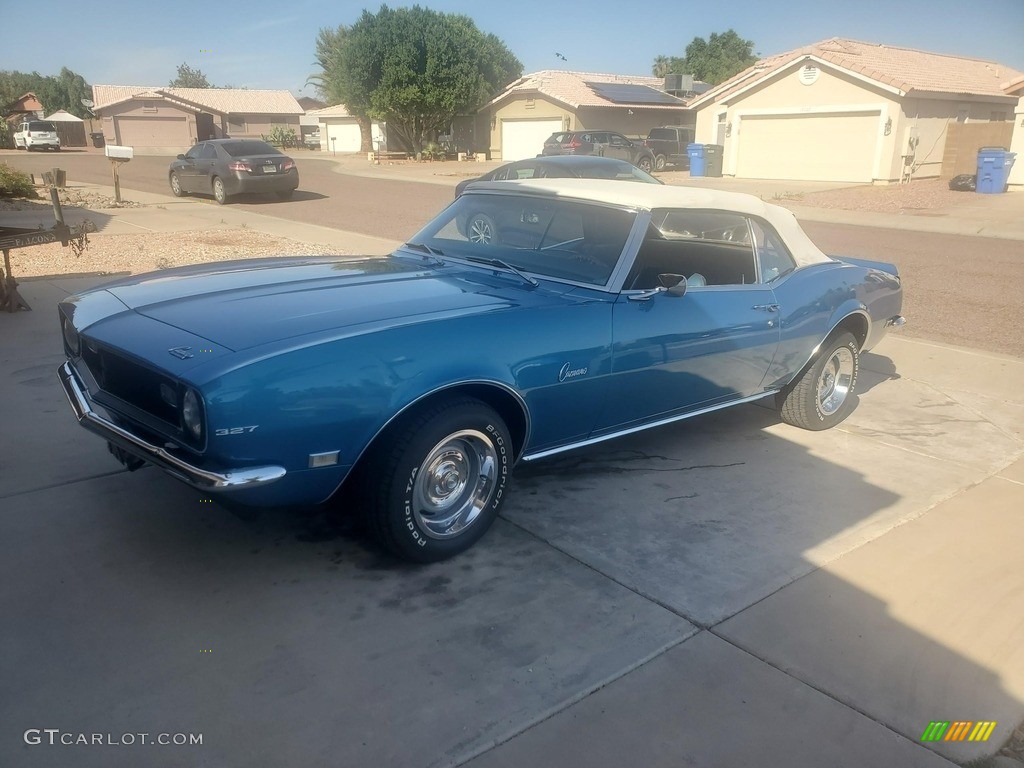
[97, 140]
[713, 159]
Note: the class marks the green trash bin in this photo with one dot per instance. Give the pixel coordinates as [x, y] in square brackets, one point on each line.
[713, 159]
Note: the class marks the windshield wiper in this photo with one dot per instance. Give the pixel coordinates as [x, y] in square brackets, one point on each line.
[435, 252]
[502, 265]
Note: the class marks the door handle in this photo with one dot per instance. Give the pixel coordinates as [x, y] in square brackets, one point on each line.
[766, 307]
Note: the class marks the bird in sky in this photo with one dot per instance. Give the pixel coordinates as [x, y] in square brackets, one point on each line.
[560, 56]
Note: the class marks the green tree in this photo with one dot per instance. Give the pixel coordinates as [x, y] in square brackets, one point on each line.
[65, 91]
[189, 78]
[713, 60]
[329, 81]
[417, 69]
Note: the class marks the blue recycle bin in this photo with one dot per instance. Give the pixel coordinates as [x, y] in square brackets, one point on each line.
[994, 164]
[697, 159]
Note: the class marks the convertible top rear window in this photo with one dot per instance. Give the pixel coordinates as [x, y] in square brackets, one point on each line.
[547, 237]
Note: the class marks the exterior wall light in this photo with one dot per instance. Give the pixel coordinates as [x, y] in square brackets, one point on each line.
[888, 126]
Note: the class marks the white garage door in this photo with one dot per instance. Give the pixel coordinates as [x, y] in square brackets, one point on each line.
[143, 132]
[346, 137]
[522, 139]
[826, 147]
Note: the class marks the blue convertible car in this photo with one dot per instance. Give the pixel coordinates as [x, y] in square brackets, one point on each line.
[415, 382]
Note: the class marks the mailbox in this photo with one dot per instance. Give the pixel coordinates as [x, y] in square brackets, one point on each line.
[119, 153]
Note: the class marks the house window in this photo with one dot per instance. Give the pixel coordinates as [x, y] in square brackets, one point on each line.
[236, 124]
[997, 117]
[961, 115]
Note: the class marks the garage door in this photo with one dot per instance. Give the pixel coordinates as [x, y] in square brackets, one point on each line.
[346, 137]
[827, 147]
[143, 132]
[522, 139]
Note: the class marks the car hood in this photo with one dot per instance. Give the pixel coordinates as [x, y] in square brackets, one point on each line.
[240, 305]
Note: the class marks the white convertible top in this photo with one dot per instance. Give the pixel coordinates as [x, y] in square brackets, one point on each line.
[651, 196]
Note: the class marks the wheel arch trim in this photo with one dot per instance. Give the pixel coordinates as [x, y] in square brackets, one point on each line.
[518, 450]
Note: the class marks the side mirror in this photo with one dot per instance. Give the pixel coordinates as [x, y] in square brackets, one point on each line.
[675, 285]
[181, 157]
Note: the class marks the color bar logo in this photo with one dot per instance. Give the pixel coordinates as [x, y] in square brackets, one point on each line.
[958, 730]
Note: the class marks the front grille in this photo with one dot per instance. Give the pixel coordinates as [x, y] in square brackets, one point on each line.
[133, 383]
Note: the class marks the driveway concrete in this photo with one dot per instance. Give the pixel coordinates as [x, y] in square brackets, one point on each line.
[725, 591]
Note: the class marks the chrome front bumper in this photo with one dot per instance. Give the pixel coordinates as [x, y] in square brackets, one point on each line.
[202, 479]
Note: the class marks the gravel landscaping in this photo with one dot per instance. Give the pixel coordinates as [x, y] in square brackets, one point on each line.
[922, 195]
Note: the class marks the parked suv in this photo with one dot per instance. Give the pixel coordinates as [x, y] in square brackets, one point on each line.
[669, 145]
[36, 134]
[602, 144]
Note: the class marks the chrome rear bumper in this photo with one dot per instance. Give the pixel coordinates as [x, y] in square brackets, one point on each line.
[202, 479]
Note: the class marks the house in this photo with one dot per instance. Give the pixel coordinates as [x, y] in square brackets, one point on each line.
[26, 105]
[340, 132]
[528, 111]
[169, 120]
[845, 110]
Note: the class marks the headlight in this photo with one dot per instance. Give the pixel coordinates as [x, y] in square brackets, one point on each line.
[71, 337]
[192, 413]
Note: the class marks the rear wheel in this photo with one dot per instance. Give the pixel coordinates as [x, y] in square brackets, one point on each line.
[435, 484]
[219, 193]
[823, 395]
[644, 164]
[660, 161]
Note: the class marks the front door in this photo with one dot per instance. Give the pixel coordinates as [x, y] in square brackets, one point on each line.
[673, 354]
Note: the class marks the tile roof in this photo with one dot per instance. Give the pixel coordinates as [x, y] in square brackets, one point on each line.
[338, 110]
[905, 69]
[227, 101]
[571, 89]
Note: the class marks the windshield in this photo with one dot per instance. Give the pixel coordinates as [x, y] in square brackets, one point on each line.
[546, 237]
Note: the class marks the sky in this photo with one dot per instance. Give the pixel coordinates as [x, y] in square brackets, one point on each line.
[263, 44]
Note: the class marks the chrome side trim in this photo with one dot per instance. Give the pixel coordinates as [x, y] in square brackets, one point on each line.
[817, 347]
[202, 479]
[642, 427]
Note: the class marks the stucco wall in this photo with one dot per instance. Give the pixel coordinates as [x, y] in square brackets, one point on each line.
[928, 120]
[254, 126]
[1017, 145]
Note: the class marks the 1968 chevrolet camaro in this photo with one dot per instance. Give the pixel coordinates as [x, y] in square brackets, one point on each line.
[528, 318]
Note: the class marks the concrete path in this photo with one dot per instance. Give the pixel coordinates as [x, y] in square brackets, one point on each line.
[724, 591]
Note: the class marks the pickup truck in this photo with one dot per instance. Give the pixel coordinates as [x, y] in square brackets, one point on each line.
[669, 145]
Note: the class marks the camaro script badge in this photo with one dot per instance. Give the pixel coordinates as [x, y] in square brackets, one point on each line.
[182, 353]
[570, 373]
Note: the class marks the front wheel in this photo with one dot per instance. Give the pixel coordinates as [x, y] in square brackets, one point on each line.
[176, 189]
[219, 193]
[660, 161]
[644, 164]
[823, 395]
[480, 229]
[436, 483]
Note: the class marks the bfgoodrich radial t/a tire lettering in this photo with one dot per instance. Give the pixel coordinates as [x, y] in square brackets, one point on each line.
[435, 484]
[823, 395]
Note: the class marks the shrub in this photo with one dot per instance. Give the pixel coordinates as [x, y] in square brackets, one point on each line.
[15, 183]
[434, 151]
